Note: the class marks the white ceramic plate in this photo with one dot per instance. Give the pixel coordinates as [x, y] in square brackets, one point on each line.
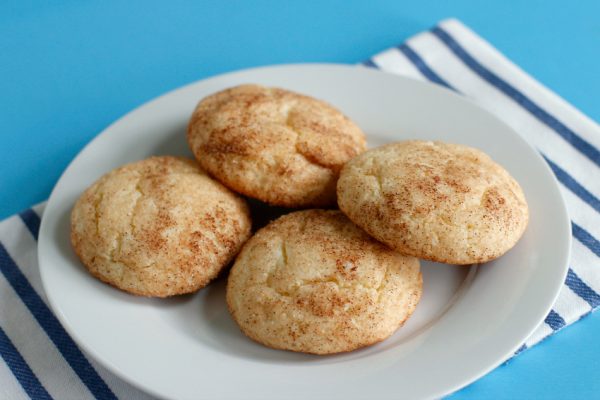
[469, 319]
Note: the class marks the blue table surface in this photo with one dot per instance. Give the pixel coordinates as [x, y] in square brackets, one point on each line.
[70, 68]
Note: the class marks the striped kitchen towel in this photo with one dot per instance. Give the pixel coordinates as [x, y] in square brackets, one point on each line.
[41, 361]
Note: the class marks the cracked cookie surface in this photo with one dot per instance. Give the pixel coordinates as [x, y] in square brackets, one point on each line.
[274, 145]
[314, 282]
[158, 227]
[437, 201]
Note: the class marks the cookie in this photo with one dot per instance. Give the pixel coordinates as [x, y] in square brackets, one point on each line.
[442, 202]
[273, 145]
[158, 227]
[314, 282]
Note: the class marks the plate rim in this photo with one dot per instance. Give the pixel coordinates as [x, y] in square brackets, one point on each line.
[43, 234]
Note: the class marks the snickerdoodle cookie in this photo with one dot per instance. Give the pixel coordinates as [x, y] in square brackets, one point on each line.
[314, 282]
[274, 145]
[158, 227]
[437, 201]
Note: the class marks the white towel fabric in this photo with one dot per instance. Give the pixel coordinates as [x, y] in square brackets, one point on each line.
[40, 360]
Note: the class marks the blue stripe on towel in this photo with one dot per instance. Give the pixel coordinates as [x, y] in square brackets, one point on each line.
[369, 63]
[520, 350]
[53, 328]
[422, 66]
[582, 289]
[31, 221]
[554, 320]
[586, 238]
[20, 369]
[542, 115]
[573, 185]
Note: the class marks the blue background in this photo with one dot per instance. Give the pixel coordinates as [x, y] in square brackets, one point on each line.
[70, 68]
